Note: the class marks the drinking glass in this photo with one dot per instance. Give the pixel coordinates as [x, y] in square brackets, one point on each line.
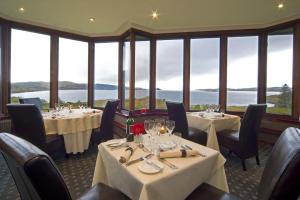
[170, 125]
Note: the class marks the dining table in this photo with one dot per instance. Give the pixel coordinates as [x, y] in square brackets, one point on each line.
[169, 183]
[75, 125]
[211, 123]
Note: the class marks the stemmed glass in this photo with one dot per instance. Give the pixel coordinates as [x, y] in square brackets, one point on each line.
[149, 128]
[170, 125]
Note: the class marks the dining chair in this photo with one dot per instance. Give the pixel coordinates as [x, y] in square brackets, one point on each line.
[36, 101]
[27, 123]
[280, 178]
[177, 113]
[107, 123]
[37, 177]
[244, 143]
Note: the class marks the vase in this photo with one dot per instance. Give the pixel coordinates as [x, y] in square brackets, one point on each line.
[138, 139]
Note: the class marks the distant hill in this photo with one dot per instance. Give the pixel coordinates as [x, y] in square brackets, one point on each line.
[63, 85]
[270, 89]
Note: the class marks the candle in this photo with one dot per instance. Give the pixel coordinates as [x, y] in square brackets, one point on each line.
[162, 130]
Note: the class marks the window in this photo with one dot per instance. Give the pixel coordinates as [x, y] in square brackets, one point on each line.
[106, 72]
[30, 66]
[73, 72]
[126, 73]
[204, 73]
[280, 72]
[142, 74]
[242, 72]
[169, 72]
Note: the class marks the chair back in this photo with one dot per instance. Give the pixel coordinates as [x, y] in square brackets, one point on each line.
[36, 101]
[28, 123]
[250, 128]
[35, 174]
[177, 113]
[281, 176]
[107, 119]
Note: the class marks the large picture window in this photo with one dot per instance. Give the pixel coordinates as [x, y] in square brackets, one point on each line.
[204, 73]
[106, 72]
[242, 72]
[73, 72]
[280, 72]
[30, 66]
[169, 72]
[142, 73]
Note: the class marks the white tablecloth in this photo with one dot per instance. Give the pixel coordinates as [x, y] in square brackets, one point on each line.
[213, 124]
[168, 184]
[76, 128]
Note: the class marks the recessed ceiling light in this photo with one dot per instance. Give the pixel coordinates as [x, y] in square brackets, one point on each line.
[92, 19]
[21, 9]
[154, 14]
[280, 5]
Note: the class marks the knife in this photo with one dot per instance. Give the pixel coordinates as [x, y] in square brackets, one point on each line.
[139, 159]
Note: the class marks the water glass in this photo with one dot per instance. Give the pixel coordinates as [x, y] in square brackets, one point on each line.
[170, 125]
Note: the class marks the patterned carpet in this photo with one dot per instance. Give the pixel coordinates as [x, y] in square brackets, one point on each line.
[78, 172]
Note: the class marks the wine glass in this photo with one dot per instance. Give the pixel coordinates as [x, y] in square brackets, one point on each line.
[170, 125]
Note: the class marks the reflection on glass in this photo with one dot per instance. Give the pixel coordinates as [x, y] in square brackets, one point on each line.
[106, 72]
[126, 73]
[142, 74]
[73, 72]
[30, 66]
[280, 72]
[169, 72]
[242, 72]
[204, 73]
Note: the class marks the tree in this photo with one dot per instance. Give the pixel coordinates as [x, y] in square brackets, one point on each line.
[285, 97]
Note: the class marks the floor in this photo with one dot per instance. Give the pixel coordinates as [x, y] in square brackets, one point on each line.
[78, 172]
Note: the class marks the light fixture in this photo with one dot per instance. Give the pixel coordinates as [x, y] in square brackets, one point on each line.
[21, 9]
[154, 14]
[280, 5]
[92, 19]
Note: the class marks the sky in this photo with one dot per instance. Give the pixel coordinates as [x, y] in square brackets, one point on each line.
[31, 61]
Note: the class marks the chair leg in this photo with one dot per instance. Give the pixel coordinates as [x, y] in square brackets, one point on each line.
[244, 165]
[257, 160]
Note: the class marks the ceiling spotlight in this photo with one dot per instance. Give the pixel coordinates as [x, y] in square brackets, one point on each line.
[154, 14]
[92, 19]
[21, 10]
[280, 5]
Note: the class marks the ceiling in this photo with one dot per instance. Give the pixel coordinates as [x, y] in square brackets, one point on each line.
[113, 17]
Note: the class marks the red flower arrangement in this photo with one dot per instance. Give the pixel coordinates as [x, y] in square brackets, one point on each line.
[143, 110]
[138, 129]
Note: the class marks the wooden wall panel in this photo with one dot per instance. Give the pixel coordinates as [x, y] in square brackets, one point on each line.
[223, 72]
[6, 54]
[54, 70]
[152, 74]
[186, 73]
[91, 72]
[296, 73]
[262, 68]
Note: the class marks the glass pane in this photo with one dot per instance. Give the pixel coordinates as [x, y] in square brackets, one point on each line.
[142, 74]
[106, 72]
[73, 72]
[204, 77]
[30, 66]
[242, 72]
[169, 72]
[280, 72]
[126, 73]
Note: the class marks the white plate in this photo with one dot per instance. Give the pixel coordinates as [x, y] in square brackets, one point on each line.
[116, 142]
[149, 169]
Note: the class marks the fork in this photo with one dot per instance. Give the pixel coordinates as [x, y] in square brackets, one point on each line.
[172, 166]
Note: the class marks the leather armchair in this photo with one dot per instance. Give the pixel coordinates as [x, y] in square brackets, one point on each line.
[177, 113]
[106, 125]
[244, 142]
[28, 124]
[281, 176]
[37, 176]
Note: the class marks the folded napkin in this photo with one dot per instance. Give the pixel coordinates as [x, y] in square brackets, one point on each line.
[178, 153]
[127, 153]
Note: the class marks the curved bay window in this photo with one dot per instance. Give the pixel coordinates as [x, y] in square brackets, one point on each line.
[204, 73]
[169, 72]
[242, 72]
[30, 66]
[106, 72]
[280, 72]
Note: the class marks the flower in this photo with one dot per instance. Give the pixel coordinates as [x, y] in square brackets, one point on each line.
[138, 129]
[143, 110]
